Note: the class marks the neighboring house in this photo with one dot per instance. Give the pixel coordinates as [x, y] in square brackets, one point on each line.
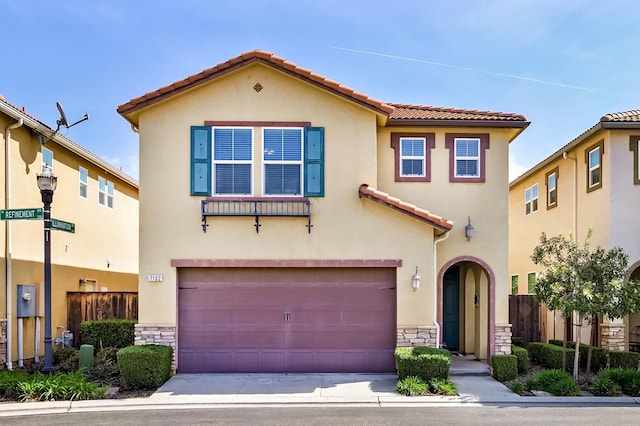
[287, 221]
[592, 182]
[101, 255]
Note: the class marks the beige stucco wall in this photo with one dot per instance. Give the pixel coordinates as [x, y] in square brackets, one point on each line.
[104, 246]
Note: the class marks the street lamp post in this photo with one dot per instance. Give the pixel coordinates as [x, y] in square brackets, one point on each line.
[47, 183]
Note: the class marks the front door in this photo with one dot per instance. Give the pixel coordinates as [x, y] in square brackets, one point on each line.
[451, 308]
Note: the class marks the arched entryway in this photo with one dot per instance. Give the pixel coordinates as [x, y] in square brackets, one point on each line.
[466, 306]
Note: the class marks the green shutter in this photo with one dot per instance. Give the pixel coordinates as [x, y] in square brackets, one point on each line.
[314, 161]
[201, 160]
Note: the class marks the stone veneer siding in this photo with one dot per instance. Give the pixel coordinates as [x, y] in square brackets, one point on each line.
[613, 337]
[417, 335]
[157, 334]
[3, 341]
[503, 339]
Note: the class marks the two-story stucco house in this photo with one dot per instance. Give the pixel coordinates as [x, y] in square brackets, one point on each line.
[94, 250]
[291, 224]
[591, 182]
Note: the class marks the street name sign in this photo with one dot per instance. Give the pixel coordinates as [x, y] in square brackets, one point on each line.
[19, 214]
[61, 225]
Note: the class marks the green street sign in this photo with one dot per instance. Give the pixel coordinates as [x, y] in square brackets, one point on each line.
[20, 214]
[61, 225]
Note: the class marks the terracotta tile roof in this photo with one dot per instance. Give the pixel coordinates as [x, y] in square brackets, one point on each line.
[244, 59]
[385, 199]
[419, 112]
[633, 115]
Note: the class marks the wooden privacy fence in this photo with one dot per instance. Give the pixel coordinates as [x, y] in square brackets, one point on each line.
[83, 306]
[524, 316]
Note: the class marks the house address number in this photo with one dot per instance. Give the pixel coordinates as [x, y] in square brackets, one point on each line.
[154, 278]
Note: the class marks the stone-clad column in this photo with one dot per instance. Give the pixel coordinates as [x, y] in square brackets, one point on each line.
[503, 339]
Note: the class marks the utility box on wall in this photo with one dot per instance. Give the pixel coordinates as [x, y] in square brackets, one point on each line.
[26, 296]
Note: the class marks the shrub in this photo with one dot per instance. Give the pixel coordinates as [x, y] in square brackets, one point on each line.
[556, 382]
[605, 386]
[624, 359]
[517, 386]
[9, 380]
[535, 351]
[117, 333]
[598, 355]
[423, 362]
[551, 357]
[523, 358]
[505, 367]
[518, 341]
[145, 366]
[443, 387]
[66, 360]
[105, 366]
[628, 379]
[412, 386]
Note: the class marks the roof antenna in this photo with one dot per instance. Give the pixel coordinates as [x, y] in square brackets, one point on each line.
[62, 121]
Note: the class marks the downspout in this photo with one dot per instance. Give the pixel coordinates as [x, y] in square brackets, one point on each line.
[565, 155]
[435, 285]
[7, 243]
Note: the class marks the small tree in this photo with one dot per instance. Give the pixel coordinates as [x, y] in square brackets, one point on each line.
[589, 283]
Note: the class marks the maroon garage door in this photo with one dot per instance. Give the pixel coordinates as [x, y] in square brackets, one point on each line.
[286, 320]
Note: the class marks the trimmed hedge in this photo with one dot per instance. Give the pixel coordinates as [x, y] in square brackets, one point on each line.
[505, 367]
[518, 341]
[598, 355]
[523, 358]
[551, 357]
[423, 362]
[535, 352]
[114, 333]
[629, 360]
[145, 366]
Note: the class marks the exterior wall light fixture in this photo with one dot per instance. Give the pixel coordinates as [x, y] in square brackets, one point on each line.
[415, 280]
[468, 230]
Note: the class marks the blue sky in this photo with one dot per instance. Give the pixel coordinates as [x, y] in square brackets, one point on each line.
[563, 64]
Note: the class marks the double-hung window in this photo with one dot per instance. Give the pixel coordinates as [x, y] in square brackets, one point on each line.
[634, 147]
[552, 188]
[232, 161]
[593, 159]
[84, 182]
[412, 157]
[531, 199]
[282, 161]
[47, 159]
[467, 156]
[105, 192]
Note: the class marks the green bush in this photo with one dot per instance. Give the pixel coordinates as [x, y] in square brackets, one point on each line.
[9, 380]
[517, 386]
[523, 358]
[443, 387]
[551, 357]
[505, 367]
[535, 351]
[624, 359]
[105, 366]
[627, 378]
[44, 387]
[412, 386]
[605, 386]
[518, 341]
[116, 333]
[145, 366]
[556, 382]
[423, 362]
[66, 360]
[598, 355]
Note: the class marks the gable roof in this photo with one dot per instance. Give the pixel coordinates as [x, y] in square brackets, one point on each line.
[398, 114]
[40, 128]
[439, 223]
[614, 120]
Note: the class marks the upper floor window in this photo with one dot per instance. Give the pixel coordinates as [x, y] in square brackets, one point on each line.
[531, 199]
[552, 188]
[84, 182]
[634, 146]
[105, 192]
[467, 156]
[514, 284]
[47, 158]
[593, 158]
[223, 162]
[412, 158]
[282, 161]
[531, 283]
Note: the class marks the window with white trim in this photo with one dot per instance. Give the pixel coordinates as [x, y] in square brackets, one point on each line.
[413, 156]
[467, 157]
[595, 169]
[105, 192]
[232, 161]
[531, 199]
[47, 158]
[282, 161]
[84, 182]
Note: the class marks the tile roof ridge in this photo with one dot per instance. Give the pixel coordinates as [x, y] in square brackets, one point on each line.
[456, 110]
[620, 116]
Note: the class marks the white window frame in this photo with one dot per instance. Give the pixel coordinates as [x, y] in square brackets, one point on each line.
[531, 200]
[215, 162]
[84, 184]
[106, 191]
[593, 168]
[45, 152]
[475, 158]
[299, 163]
[422, 157]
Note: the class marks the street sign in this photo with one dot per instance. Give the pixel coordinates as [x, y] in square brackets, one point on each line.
[18, 214]
[61, 225]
